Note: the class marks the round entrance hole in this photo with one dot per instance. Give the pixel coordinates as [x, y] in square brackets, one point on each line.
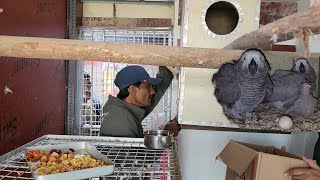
[222, 17]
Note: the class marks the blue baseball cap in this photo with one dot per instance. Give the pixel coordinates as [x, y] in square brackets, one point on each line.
[133, 74]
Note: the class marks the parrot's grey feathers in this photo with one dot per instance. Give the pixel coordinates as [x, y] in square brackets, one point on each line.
[226, 84]
[287, 84]
[242, 85]
[302, 65]
[268, 88]
[305, 104]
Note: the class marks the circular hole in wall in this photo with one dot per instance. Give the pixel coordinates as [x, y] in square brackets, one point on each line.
[222, 17]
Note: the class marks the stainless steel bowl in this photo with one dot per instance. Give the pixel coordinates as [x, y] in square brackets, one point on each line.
[158, 139]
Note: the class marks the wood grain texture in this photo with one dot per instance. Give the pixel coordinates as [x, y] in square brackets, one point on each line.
[285, 28]
[67, 49]
[125, 22]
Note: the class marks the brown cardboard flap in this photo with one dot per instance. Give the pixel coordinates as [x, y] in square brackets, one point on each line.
[269, 150]
[230, 174]
[259, 148]
[237, 156]
[279, 152]
[273, 166]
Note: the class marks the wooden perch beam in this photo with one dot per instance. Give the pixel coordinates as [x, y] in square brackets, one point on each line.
[67, 49]
[285, 28]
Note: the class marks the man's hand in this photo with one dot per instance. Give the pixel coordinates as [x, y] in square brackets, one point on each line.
[312, 173]
[173, 126]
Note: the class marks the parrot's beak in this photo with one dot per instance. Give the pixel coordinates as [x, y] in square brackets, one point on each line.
[253, 67]
[302, 69]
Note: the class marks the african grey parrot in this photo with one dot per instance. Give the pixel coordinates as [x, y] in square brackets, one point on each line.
[242, 85]
[288, 83]
[302, 65]
[305, 104]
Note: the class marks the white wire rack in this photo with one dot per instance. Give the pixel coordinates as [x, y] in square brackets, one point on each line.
[131, 158]
[102, 75]
[156, 36]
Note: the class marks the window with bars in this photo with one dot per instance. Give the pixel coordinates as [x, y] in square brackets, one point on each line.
[99, 76]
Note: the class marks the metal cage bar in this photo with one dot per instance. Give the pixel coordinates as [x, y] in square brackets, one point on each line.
[131, 158]
[103, 73]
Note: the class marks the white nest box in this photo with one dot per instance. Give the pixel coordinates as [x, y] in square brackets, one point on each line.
[210, 24]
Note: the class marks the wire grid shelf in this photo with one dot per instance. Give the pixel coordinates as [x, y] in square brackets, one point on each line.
[156, 36]
[131, 158]
[102, 75]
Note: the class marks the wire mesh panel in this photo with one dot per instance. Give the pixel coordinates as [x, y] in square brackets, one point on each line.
[132, 160]
[99, 76]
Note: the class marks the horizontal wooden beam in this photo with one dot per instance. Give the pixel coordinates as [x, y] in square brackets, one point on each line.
[67, 49]
[125, 22]
[212, 128]
[285, 28]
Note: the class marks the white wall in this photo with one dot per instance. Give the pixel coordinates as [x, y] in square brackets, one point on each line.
[198, 149]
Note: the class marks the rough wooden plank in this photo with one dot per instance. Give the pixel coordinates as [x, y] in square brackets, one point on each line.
[67, 49]
[125, 22]
[285, 28]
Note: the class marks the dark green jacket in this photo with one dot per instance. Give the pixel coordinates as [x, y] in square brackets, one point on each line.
[122, 119]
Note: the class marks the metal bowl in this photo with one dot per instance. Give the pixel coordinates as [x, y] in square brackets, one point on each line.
[158, 139]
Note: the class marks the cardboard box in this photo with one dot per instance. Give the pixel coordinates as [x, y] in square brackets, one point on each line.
[257, 162]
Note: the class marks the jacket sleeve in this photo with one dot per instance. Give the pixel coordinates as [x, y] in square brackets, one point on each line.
[166, 75]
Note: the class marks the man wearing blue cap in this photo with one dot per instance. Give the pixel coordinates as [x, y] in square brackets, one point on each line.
[138, 96]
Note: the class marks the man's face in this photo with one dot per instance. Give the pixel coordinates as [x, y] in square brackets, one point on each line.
[87, 89]
[143, 95]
